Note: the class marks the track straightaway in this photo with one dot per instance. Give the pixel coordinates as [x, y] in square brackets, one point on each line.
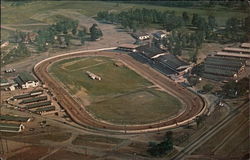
[194, 104]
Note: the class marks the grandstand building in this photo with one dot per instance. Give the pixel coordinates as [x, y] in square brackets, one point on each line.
[222, 68]
[167, 63]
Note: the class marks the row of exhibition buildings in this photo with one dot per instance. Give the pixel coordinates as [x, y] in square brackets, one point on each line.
[227, 64]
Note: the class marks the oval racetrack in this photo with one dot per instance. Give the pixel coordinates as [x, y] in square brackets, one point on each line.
[194, 104]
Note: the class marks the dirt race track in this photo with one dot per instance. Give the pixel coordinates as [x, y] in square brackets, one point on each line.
[194, 105]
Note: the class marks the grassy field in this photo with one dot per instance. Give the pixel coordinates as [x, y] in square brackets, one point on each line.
[25, 13]
[122, 96]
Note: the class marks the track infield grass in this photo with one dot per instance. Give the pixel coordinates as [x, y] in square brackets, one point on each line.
[121, 97]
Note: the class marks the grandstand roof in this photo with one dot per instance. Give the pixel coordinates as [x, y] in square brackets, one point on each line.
[131, 46]
[150, 51]
[171, 61]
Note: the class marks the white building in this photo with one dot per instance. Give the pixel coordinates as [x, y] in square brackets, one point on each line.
[141, 36]
[25, 80]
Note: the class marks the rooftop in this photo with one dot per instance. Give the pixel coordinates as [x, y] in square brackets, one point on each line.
[172, 61]
[24, 77]
[133, 46]
[150, 51]
[224, 61]
[233, 54]
[236, 50]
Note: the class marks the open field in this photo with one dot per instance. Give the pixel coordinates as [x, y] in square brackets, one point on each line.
[66, 155]
[122, 96]
[232, 140]
[31, 153]
[86, 140]
[24, 13]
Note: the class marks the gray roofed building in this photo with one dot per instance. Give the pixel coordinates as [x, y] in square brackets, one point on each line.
[222, 68]
[14, 118]
[172, 62]
[26, 80]
[150, 51]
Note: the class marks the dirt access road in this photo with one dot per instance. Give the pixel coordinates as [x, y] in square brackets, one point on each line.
[194, 105]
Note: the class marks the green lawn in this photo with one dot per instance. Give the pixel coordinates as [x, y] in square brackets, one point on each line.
[122, 96]
[25, 13]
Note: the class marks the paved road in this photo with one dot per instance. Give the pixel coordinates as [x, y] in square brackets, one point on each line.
[207, 135]
[194, 104]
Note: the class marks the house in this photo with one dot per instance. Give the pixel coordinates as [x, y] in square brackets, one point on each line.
[141, 36]
[9, 127]
[159, 35]
[128, 47]
[26, 80]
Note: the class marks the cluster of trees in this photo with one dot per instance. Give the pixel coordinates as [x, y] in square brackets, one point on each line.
[180, 39]
[207, 88]
[234, 89]
[95, 32]
[140, 18]
[20, 51]
[163, 147]
[62, 32]
[236, 29]
[49, 36]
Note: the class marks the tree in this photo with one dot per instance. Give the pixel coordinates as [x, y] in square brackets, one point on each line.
[95, 32]
[212, 24]
[199, 120]
[81, 36]
[163, 147]
[185, 17]
[234, 89]
[207, 88]
[195, 19]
